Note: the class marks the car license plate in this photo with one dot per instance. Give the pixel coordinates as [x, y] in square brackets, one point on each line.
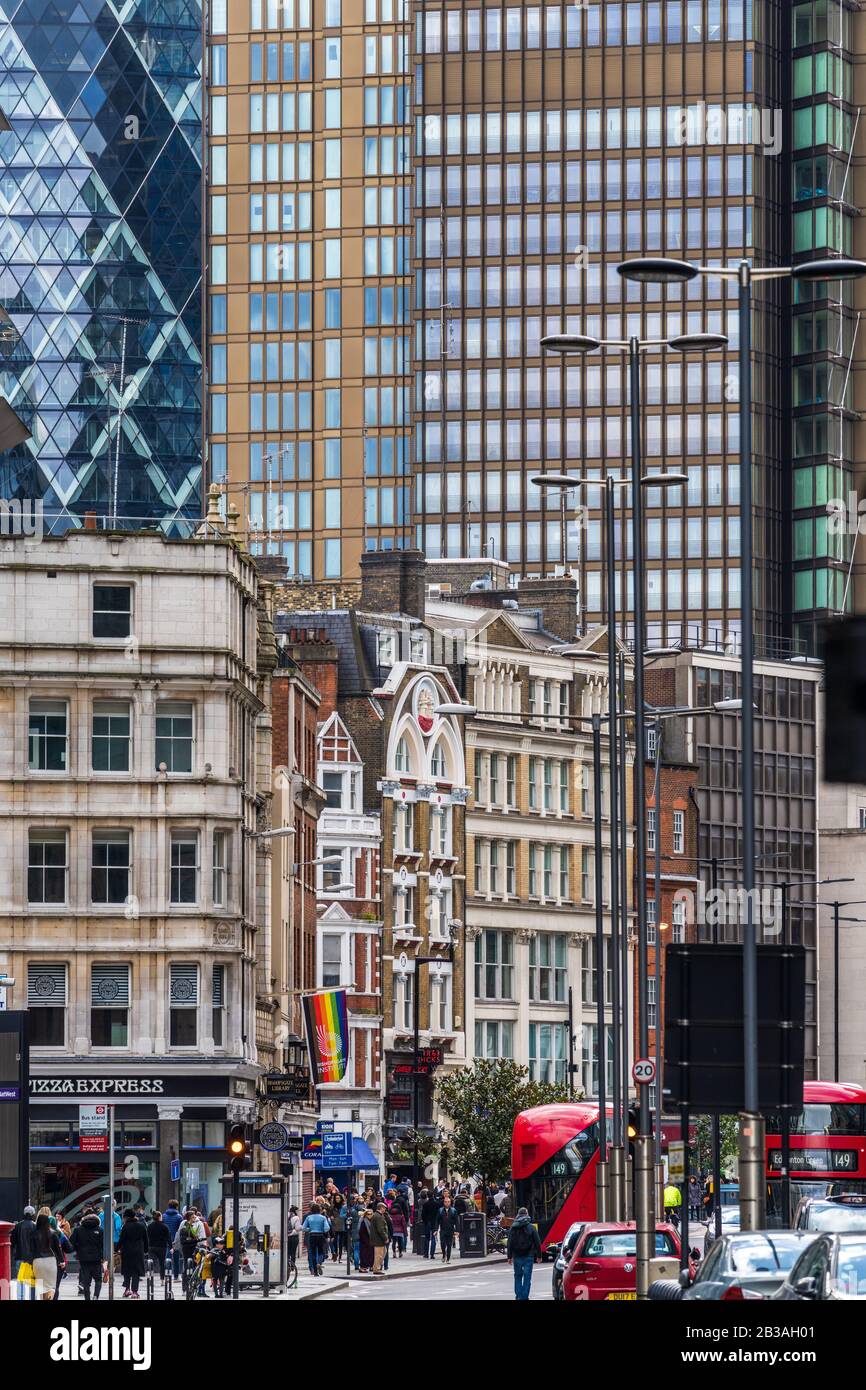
[622, 1295]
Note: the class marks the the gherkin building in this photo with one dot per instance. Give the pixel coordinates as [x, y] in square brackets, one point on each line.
[100, 258]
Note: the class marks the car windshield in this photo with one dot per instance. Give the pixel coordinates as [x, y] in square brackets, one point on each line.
[850, 1273]
[619, 1244]
[837, 1218]
[763, 1254]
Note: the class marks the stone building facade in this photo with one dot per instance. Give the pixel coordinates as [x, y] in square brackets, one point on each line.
[131, 886]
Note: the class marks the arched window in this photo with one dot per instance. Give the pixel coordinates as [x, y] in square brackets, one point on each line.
[401, 757]
[437, 760]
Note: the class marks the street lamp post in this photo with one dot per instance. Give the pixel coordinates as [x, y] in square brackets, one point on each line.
[660, 270]
[644, 1205]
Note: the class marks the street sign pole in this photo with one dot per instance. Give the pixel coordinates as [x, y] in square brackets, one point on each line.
[109, 1219]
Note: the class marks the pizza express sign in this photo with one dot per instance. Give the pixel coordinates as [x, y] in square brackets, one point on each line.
[121, 1086]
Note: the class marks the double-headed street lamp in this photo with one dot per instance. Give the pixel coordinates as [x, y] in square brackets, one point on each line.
[633, 347]
[664, 271]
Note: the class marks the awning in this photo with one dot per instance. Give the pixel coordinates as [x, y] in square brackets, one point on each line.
[362, 1157]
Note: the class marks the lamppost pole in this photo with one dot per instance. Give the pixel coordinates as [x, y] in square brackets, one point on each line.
[602, 1179]
[617, 938]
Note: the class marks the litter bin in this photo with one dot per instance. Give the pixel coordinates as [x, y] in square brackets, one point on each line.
[473, 1234]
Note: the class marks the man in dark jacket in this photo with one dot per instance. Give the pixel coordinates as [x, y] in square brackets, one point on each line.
[524, 1248]
[133, 1251]
[23, 1240]
[87, 1242]
[158, 1242]
[172, 1218]
[448, 1220]
[430, 1223]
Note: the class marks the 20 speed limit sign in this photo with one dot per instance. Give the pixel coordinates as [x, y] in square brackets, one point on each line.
[644, 1071]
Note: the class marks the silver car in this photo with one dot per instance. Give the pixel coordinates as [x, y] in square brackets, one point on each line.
[747, 1265]
[730, 1225]
[563, 1254]
[832, 1270]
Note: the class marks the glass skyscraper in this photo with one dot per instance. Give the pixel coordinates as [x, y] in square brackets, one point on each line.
[100, 257]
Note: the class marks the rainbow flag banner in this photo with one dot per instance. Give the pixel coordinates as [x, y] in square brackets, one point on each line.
[326, 1017]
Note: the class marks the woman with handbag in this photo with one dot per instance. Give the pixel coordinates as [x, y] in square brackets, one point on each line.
[49, 1258]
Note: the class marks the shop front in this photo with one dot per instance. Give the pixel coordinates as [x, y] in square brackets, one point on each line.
[169, 1129]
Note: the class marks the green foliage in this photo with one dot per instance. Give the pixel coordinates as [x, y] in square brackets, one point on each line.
[480, 1104]
[702, 1154]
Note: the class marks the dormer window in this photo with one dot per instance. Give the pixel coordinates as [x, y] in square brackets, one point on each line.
[385, 651]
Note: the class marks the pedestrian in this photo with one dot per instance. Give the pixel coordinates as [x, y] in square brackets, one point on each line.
[386, 1212]
[673, 1200]
[338, 1226]
[430, 1225]
[172, 1218]
[390, 1183]
[23, 1250]
[189, 1233]
[524, 1248]
[293, 1235]
[379, 1237]
[133, 1251]
[158, 1242]
[316, 1227]
[365, 1242]
[88, 1243]
[447, 1226]
[48, 1258]
[399, 1225]
[219, 1266]
[462, 1202]
[694, 1199]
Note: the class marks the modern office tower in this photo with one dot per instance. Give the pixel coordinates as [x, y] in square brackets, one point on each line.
[100, 259]
[309, 294]
[552, 142]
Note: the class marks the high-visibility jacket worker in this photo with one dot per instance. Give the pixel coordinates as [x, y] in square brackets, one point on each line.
[673, 1196]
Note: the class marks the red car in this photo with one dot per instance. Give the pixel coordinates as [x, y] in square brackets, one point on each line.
[604, 1263]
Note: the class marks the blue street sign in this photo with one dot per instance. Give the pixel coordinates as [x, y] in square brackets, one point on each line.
[336, 1150]
[325, 1126]
[175, 1170]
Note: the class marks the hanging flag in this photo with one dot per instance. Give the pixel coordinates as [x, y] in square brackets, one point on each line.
[327, 1021]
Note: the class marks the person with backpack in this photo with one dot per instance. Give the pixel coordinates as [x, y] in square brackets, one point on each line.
[158, 1242]
[88, 1244]
[524, 1248]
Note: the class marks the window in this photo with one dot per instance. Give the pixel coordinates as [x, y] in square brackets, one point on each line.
[110, 741]
[547, 1052]
[219, 1005]
[109, 1005]
[440, 1000]
[494, 1038]
[110, 867]
[184, 867]
[112, 610]
[46, 867]
[183, 1001]
[220, 868]
[404, 827]
[49, 736]
[494, 969]
[437, 761]
[590, 1059]
[332, 960]
[651, 1002]
[650, 829]
[174, 736]
[548, 967]
[678, 922]
[332, 784]
[46, 1000]
[404, 990]
[679, 832]
[401, 757]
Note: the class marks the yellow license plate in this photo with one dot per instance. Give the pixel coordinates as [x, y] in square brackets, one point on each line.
[622, 1295]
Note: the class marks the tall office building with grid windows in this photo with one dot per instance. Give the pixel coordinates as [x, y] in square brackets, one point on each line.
[405, 198]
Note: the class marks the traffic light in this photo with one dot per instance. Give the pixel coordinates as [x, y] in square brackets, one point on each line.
[632, 1129]
[237, 1149]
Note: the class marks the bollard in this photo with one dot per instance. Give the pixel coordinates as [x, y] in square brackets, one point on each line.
[5, 1260]
[266, 1261]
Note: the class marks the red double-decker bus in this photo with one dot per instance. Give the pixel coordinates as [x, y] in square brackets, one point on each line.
[554, 1154]
[827, 1146]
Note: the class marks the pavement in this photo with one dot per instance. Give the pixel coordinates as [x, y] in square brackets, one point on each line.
[462, 1280]
[333, 1281]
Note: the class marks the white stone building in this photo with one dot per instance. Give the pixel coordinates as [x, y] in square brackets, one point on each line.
[128, 875]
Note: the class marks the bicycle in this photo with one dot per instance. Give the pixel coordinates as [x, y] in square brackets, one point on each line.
[195, 1277]
[291, 1271]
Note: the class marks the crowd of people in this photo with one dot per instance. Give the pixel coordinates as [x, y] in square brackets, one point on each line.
[41, 1244]
[374, 1227]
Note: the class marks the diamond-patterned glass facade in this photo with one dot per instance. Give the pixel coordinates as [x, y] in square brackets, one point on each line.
[100, 257]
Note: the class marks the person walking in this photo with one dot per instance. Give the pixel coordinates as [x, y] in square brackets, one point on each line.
[133, 1252]
[338, 1226]
[399, 1226]
[316, 1227]
[365, 1241]
[172, 1218]
[88, 1244]
[23, 1250]
[524, 1248]
[673, 1201]
[447, 1226]
[219, 1266]
[694, 1199]
[189, 1233]
[430, 1225]
[158, 1242]
[48, 1259]
[379, 1237]
[293, 1236]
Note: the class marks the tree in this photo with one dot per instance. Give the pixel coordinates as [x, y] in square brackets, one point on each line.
[480, 1104]
[703, 1149]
